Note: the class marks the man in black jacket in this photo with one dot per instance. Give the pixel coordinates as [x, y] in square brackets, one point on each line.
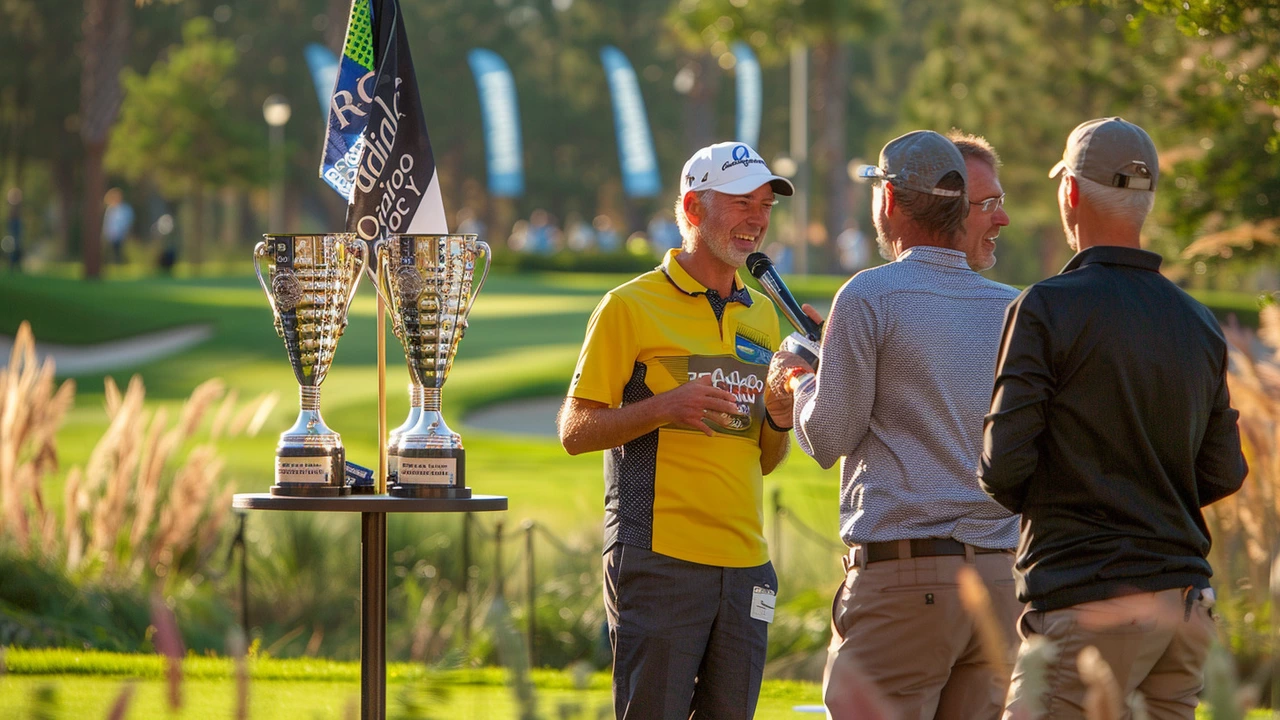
[1110, 428]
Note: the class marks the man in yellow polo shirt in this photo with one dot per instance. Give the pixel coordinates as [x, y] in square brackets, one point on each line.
[670, 383]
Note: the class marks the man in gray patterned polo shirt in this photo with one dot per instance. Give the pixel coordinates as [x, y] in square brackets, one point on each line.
[903, 383]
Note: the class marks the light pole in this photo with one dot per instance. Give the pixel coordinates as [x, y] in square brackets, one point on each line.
[800, 152]
[276, 111]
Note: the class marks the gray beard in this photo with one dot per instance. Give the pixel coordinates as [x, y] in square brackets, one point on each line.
[886, 249]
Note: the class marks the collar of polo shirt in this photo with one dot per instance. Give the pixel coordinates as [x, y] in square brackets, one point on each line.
[683, 280]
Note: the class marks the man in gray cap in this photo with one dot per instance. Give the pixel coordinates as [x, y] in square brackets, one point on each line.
[903, 382]
[1110, 428]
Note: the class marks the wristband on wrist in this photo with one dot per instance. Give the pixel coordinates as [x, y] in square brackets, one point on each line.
[769, 419]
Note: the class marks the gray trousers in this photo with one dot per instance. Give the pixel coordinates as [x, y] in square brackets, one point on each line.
[684, 642]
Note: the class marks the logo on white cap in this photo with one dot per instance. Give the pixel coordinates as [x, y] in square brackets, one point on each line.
[731, 168]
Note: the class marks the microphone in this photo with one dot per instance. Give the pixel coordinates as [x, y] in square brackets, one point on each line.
[761, 268]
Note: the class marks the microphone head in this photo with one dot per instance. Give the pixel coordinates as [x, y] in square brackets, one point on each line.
[758, 263]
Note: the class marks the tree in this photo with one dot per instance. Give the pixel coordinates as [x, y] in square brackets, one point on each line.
[1025, 74]
[180, 127]
[105, 37]
[830, 28]
[1247, 33]
[1226, 170]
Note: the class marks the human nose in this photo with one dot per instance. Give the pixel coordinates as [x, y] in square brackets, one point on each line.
[1000, 218]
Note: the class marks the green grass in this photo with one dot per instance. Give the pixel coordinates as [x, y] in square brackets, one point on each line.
[87, 683]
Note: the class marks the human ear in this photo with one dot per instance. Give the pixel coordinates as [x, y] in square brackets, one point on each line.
[1073, 191]
[692, 209]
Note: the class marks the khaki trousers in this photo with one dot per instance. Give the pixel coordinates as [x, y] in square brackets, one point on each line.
[899, 627]
[1156, 643]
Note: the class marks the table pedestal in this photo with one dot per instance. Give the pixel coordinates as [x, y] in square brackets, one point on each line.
[373, 511]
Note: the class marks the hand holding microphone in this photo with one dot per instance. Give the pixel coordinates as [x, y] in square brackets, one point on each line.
[807, 339]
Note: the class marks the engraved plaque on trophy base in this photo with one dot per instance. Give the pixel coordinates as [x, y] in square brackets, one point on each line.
[430, 473]
[310, 472]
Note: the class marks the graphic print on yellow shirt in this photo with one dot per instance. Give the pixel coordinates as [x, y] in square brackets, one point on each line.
[743, 380]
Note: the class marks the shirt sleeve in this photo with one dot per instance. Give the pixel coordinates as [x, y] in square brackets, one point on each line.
[1023, 385]
[833, 414]
[1220, 464]
[608, 354]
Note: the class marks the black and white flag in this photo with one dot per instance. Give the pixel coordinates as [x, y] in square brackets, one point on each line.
[393, 187]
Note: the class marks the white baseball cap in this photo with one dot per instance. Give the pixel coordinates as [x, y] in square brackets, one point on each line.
[732, 168]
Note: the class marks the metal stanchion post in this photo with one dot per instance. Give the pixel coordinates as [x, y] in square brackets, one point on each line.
[499, 574]
[373, 616]
[531, 592]
[244, 574]
[466, 579]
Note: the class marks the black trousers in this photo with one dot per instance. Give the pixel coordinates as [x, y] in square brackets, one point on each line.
[684, 642]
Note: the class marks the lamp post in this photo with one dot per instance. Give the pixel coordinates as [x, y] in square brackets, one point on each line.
[276, 111]
[800, 152]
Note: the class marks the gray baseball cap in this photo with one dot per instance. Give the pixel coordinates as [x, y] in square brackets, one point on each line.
[1111, 151]
[918, 161]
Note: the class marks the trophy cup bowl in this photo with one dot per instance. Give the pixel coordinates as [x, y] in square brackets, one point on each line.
[427, 283]
[310, 284]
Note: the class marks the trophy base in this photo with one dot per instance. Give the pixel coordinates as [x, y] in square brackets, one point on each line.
[429, 473]
[310, 491]
[428, 491]
[310, 472]
[363, 489]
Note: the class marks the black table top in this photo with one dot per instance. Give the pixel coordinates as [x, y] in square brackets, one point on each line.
[368, 503]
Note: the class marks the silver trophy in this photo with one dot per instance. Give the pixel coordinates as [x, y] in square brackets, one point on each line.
[310, 284]
[427, 283]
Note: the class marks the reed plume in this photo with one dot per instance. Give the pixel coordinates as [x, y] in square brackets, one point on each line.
[1102, 699]
[977, 601]
[31, 411]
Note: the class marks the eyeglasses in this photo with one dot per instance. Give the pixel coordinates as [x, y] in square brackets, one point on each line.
[990, 205]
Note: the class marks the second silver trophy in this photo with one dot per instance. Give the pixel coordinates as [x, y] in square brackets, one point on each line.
[428, 284]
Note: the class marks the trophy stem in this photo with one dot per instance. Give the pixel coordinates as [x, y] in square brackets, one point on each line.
[431, 399]
[415, 395]
[309, 397]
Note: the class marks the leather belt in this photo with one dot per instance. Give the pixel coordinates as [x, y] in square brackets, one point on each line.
[906, 549]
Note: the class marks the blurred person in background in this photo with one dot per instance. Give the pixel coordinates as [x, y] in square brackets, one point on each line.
[579, 236]
[13, 231]
[117, 221]
[670, 383]
[518, 240]
[852, 246]
[471, 224]
[902, 385]
[544, 236]
[606, 235]
[1110, 428]
[664, 234]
